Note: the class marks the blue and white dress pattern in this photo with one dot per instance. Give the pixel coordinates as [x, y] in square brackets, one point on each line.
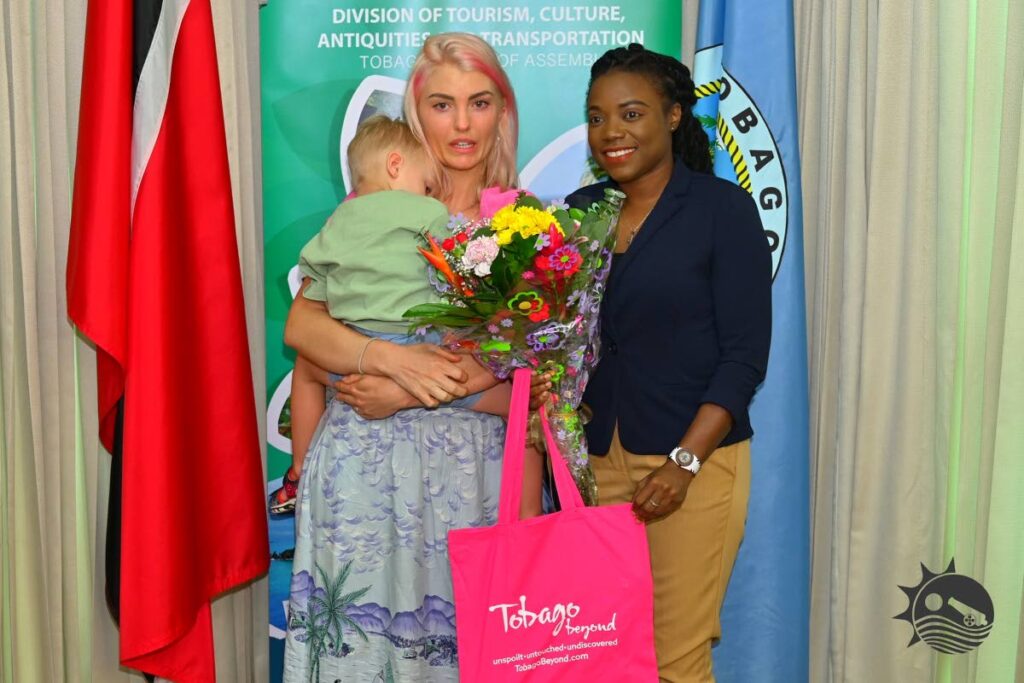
[371, 594]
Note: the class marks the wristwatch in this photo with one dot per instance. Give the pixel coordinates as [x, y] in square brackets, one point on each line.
[685, 460]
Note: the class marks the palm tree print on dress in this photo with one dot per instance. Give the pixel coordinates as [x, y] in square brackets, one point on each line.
[321, 616]
[323, 623]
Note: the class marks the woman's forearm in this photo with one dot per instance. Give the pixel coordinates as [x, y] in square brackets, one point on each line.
[707, 430]
[312, 331]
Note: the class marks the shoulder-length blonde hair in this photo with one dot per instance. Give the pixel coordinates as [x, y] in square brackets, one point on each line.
[468, 53]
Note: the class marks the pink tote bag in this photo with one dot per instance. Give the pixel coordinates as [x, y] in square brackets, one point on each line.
[563, 597]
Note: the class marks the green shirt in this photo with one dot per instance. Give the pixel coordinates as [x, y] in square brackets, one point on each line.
[364, 264]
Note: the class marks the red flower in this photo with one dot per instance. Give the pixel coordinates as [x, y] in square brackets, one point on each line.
[540, 315]
[563, 261]
[462, 238]
[448, 244]
[557, 259]
[555, 238]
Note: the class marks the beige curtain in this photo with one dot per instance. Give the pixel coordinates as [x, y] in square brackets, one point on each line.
[691, 11]
[53, 622]
[913, 170]
[240, 619]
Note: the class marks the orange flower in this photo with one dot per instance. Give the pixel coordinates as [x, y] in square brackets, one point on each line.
[435, 257]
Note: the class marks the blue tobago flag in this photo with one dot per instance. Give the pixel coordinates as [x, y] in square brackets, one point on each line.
[744, 71]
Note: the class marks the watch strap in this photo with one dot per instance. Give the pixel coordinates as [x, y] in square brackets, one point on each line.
[691, 464]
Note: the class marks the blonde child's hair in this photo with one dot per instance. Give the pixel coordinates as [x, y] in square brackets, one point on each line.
[469, 53]
[375, 137]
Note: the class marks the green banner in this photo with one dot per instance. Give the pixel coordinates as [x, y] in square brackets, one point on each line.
[328, 65]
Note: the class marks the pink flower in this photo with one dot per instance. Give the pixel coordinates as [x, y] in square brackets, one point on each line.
[480, 254]
[492, 199]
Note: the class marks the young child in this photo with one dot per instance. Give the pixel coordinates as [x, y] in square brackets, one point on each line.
[364, 264]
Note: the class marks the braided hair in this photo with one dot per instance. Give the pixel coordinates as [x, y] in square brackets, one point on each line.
[672, 79]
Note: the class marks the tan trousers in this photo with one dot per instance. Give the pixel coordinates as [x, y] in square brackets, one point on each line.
[692, 551]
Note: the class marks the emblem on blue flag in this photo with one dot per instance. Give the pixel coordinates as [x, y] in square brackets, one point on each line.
[744, 148]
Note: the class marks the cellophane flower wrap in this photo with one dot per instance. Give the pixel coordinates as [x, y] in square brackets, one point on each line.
[522, 288]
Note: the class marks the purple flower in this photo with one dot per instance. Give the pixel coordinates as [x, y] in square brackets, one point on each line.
[507, 322]
[544, 339]
[543, 240]
[493, 329]
[455, 221]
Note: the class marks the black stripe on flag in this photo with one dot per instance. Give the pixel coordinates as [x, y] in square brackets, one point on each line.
[145, 15]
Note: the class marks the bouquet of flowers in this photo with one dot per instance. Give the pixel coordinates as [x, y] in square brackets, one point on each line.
[522, 288]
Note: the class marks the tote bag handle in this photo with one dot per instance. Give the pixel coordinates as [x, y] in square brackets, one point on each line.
[515, 447]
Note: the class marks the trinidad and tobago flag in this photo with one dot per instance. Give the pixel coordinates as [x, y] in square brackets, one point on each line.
[154, 281]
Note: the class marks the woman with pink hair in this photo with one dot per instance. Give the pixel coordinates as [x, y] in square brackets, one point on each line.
[392, 467]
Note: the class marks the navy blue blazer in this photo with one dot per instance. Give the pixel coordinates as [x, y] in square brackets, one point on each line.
[686, 317]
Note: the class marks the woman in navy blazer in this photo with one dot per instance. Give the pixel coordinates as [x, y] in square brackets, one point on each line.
[686, 326]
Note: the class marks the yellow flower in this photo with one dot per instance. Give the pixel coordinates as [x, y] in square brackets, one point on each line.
[524, 221]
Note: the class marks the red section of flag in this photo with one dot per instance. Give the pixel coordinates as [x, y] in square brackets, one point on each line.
[194, 516]
[97, 273]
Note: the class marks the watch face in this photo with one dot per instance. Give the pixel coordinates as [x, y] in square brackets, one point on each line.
[683, 458]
